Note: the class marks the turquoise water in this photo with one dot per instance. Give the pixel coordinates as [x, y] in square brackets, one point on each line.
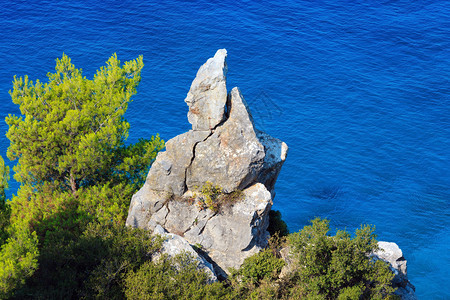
[358, 90]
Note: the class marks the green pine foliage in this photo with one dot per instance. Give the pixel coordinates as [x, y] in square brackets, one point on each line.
[4, 206]
[18, 246]
[134, 161]
[74, 168]
[18, 260]
[73, 164]
[72, 131]
[173, 278]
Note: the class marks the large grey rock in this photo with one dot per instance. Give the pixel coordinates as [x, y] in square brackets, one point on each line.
[275, 155]
[208, 94]
[168, 172]
[175, 245]
[232, 156]
[223, 148]
[290, 264]
[391, 253]
[183, 217]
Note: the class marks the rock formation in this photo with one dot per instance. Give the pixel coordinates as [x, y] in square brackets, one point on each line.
[224, 150]
[208, 94]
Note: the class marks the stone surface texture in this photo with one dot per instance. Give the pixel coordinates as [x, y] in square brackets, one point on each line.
[232, 156]
[223, 148]
[168, 172]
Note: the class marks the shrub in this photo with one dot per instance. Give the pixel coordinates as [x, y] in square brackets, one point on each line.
[18, 260]
[337, 267]
[5, 210]
[92, 265]
[263, 265]
[172, 278]
[118, 250]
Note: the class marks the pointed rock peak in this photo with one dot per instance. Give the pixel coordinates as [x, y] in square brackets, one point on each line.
[238, 107]
[217, 65]
[207, 96]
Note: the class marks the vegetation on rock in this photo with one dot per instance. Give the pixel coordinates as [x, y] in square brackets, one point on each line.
[213, 197]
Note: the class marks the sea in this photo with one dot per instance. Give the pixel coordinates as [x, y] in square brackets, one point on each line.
[358, 90]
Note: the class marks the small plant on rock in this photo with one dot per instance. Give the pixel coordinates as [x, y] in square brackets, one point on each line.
[213, 197]
[211, 194]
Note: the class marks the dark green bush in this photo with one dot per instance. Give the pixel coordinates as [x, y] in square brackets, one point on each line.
[263, 265]
[337, 267]
[92, 265]
[172, 278]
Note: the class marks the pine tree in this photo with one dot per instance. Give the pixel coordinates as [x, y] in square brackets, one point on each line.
[72, 127]
[74, 169]
[4, 207]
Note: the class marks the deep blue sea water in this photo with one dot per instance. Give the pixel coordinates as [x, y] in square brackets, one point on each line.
[359, 90]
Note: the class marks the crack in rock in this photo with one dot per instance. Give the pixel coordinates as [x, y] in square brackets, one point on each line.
[192, 160]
